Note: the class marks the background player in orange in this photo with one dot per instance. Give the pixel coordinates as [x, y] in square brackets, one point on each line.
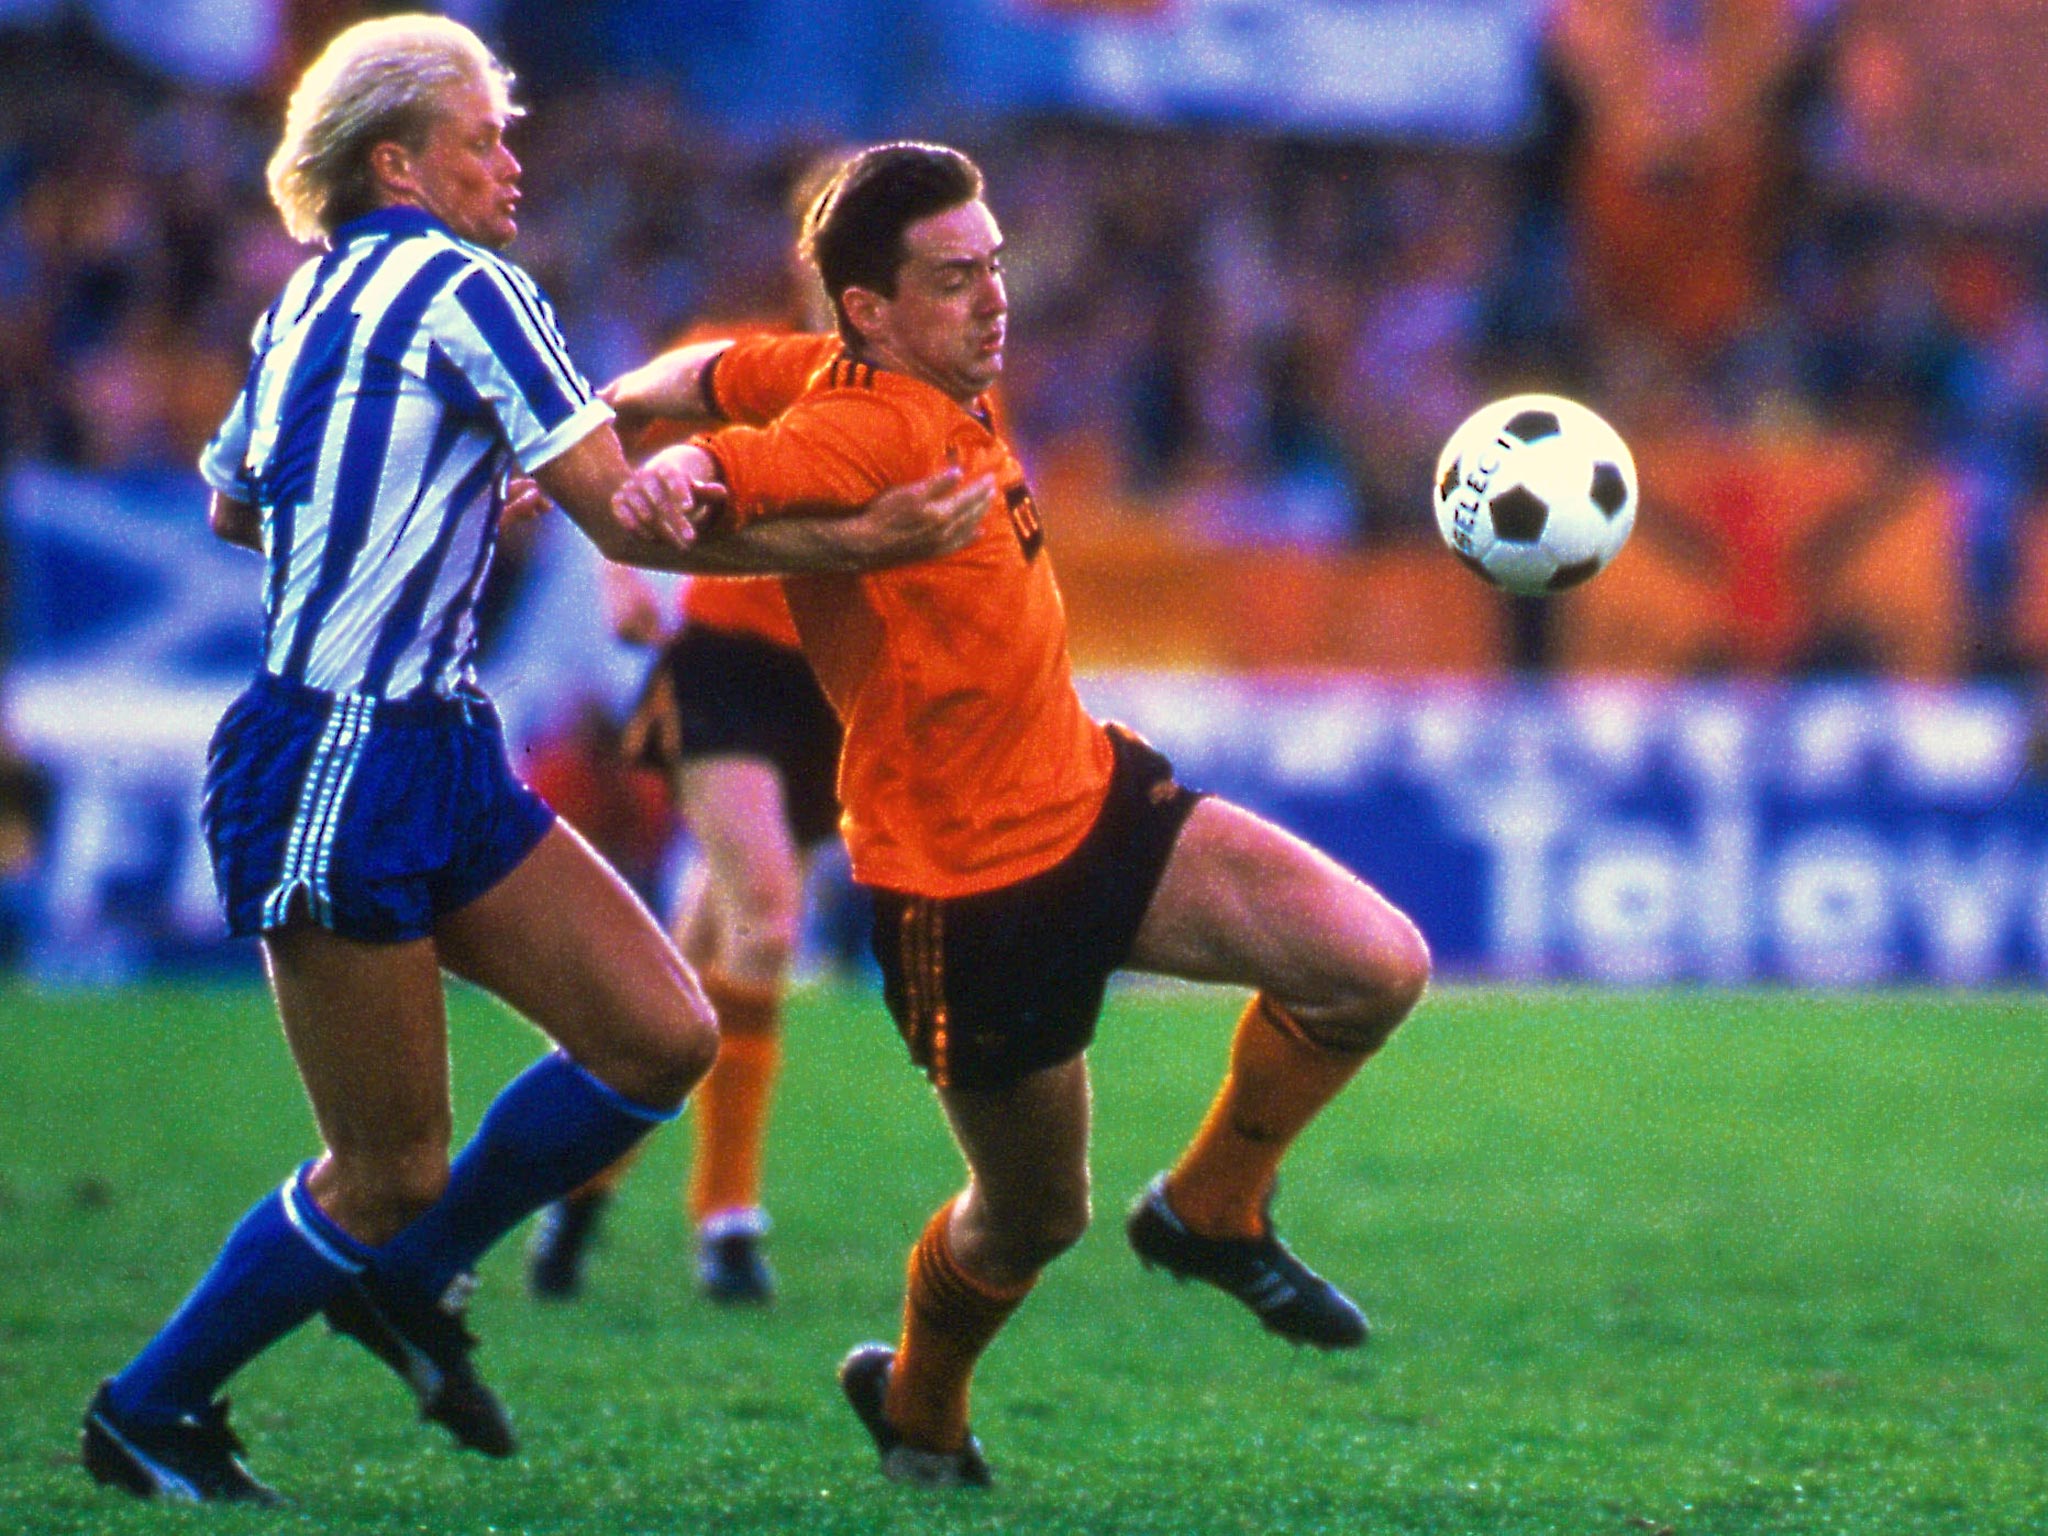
[1018, 851]
[733, 715]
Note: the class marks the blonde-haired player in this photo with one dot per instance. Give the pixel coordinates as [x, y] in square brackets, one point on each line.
[361, 810]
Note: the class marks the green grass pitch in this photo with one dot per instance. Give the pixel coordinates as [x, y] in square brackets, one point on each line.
[1690, 1262]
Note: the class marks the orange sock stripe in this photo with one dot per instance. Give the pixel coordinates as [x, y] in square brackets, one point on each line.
[949, 1280]
[1287, 1024]
[729, 1124]
[729, 1116]
[1272, 1013]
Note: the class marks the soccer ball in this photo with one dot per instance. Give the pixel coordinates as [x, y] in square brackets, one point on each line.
[1535, 493]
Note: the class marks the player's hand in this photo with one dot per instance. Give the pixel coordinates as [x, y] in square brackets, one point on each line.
[670, 496]
[632, 606]
[654, 733]
[928, 518]
[524, 500]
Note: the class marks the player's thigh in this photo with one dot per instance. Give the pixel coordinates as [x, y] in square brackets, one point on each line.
[1026, 1145]
[1245, 902]
[367, 1026]
[563, 940]
[737, 808]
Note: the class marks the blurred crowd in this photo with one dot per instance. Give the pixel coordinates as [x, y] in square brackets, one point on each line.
[1790, 248]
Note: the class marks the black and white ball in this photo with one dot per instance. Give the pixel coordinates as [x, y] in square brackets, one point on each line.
[1536, 493]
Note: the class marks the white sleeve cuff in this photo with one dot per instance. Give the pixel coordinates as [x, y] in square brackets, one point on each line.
[572, 431]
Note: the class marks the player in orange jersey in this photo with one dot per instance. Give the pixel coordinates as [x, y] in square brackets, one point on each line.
[1018, 851]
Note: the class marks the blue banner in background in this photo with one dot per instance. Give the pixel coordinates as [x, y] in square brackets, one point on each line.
[1816, 834]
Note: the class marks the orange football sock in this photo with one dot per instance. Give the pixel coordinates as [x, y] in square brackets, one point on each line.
[730, 1110]
[949, 1316]
[1278, 1080]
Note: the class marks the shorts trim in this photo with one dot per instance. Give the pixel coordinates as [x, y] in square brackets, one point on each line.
[311, 849]
[923, 935]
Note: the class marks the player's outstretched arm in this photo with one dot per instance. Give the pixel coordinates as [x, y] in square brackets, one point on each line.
[903, 524]
[670, 386]
[584, 481]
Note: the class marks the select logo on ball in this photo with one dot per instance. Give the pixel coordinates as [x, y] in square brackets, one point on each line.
[1536, 493]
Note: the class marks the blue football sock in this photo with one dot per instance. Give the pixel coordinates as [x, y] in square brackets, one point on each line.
[552, 1128]
[280, 1265]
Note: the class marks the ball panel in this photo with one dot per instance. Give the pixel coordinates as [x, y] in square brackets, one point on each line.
[1533, 425]
[1609, 491]
[1523, 568]
[1519, 515]
[1571, 575]
[1473, 563]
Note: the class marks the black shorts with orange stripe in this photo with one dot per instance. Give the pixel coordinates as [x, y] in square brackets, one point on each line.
[739, 695]
[989, 988]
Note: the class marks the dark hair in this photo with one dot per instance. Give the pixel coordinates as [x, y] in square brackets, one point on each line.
[853, 234]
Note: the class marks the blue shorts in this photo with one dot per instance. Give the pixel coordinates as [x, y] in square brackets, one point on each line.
[375, 817]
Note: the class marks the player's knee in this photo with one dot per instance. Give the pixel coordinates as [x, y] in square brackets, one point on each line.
[676, 1057]
[1066, 1228]
[672, 1044]
[1388, 981]
[1048, 1231]
[764, 926]
[1404, 970]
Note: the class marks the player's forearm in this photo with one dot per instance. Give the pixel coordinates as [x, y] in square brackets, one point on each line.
[904, 524]
[584, 482]
[670, 387]
[797, 543]
[805, 526]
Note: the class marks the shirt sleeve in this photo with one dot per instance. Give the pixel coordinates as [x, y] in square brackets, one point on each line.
[833, 453]
[500, 331]
[224, 462]
[757, 378]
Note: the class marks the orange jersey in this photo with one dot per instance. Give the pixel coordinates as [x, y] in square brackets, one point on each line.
[747, 605]
[969, 761]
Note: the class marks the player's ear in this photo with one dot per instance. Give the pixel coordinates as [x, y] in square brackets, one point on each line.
[392, 169]
[864, 309]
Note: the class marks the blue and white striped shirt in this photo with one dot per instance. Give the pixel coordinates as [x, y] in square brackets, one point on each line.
[395, 381]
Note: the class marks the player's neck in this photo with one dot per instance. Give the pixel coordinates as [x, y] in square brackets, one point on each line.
[876, 356]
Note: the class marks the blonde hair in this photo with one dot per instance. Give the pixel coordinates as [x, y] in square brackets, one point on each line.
[379, 80]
